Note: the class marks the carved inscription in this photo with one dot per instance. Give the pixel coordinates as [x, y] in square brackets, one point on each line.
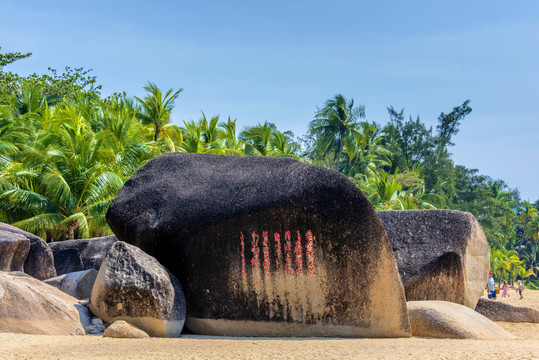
[271, 260]
[288, 259]
[309, 253]
[255, 261]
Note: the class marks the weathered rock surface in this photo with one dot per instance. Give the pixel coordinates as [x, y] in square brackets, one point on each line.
[29, 306]
[77, 284]
[265, 246]
[13, 251]
[122, 329]
[84, 254]
[500, 311]
[441, 254]
[443, 319]
[39, 263]
[134, 287]
[95, 329]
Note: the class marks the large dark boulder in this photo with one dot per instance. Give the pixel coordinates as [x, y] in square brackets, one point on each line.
[83, 254]
[13, 251]
[39, 263]
[441, 254]
[265, 246]
[134, 287]
[500, 311]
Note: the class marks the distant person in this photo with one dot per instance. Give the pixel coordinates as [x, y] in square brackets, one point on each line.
[505, 289]
[491, 287]
[520, 288]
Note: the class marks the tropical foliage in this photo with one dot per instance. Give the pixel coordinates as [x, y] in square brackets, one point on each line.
[65, 151]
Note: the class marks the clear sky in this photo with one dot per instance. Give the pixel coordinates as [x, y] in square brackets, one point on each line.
[278, 60]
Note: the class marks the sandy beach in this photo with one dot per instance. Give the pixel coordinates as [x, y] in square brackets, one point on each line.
[526, 346]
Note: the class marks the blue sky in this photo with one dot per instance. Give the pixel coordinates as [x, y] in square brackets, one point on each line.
[277, 61]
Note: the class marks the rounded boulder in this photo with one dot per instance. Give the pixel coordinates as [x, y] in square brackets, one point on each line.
[265, 246]
[134, 287]
[441, 254]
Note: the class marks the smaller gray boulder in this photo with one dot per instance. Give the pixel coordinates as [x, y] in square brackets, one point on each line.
[13, 251]
[500, 311]
[83, 254]
[134, 287]
[39, 262]
[77, 284]
[122, 329]
[443, 319]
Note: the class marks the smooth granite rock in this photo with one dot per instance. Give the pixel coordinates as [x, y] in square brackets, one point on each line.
[265, 246]
[443, 319]
[496, 310]
[134, 287]
[77, 284]
[29, 306]
[83, 254]
[13, 251]
[124, 330]
[39, 263]
[441, 254]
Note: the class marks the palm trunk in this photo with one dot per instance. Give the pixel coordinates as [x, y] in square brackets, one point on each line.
[157, 131]
[534, 252]
[522, 239]
[501, 276]
[71, 230]
[340, 153]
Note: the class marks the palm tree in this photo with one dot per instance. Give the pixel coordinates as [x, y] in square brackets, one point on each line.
[526, 213]
[259, 139]
[156, 108]
[230, 138]
[283, 147]
[335, 123]
[126, 138]
[384, 191]
[418, 198]
[192, 137]
[533, 233]
[364, 152]
[64, 180]
[503, 260]
[266, 140]
[211, 134]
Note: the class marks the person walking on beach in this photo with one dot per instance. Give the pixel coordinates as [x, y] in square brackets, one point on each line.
[491, 288]
[520, 288]
[505, 290]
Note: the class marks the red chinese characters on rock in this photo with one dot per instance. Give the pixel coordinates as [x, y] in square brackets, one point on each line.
[266, 262]
[255, 261]
[278, 252]
[290, 268]
[243, 272]
[309, 253]
[297, 252]
[288, 259]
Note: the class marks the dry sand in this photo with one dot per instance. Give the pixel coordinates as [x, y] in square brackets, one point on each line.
[15, 346]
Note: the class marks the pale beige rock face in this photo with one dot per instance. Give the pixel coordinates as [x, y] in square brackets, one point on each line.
[122, 329]
[441, 254]
[307, 297]
[476, 264]
[443, 319]
[30, 306]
